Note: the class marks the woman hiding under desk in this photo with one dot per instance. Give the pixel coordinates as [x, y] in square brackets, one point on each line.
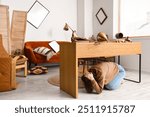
[104, 74]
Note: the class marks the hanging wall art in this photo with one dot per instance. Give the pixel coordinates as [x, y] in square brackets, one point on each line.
[101, 16]
[37, 14]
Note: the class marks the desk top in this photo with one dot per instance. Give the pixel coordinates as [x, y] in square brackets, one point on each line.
[104, 49]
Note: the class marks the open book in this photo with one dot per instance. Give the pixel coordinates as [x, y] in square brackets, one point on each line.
[55, 46]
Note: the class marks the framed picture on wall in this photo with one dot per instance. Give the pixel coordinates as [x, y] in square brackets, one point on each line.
[101, 16]
[135, 17]
[36, 14]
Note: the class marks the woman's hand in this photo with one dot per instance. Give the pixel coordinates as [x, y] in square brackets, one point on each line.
[89, 76]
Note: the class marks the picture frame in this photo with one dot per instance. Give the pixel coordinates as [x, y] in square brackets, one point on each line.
[37, 14]
[101, 16]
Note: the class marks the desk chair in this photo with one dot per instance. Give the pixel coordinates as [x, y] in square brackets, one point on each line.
[17, 36]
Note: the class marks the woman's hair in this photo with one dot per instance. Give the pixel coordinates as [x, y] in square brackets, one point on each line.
[87, 84]
[97, 73]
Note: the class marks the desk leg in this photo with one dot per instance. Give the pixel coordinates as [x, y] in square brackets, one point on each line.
[119, 60]
[139, 72]
[69, 71]
[139, 68]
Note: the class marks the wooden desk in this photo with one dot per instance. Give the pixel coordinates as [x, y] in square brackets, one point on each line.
[70, 52]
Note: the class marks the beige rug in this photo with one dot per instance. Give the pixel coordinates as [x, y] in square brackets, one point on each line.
[55, 81]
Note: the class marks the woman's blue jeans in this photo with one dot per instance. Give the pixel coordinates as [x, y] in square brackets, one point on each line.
[116, 82]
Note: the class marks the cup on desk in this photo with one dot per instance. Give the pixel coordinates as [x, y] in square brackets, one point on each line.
[119, 35]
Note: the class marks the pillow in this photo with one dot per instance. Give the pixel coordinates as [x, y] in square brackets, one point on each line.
[38, 70]
[44, 51]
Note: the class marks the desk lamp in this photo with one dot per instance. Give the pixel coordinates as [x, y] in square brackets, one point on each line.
[74, 35]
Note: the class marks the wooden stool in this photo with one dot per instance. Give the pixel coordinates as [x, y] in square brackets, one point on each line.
[21, 62]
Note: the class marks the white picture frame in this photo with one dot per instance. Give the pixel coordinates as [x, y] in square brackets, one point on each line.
[37, 14]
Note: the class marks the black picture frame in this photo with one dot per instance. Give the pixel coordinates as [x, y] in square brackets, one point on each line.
[105, 16]
[37, 14]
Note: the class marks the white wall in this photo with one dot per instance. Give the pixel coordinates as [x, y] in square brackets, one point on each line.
[85, 18]
[61, 11]
[80, 18]
[110, 26]
[131, 62]
[116, 18]
[107, 26]
[88, 18]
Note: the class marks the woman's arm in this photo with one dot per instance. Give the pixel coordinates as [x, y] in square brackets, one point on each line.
[98, 87]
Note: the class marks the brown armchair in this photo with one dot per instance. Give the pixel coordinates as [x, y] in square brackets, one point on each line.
[37, 58]
[7, 70]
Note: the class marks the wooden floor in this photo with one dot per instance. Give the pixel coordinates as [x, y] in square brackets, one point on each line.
[37, 87]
